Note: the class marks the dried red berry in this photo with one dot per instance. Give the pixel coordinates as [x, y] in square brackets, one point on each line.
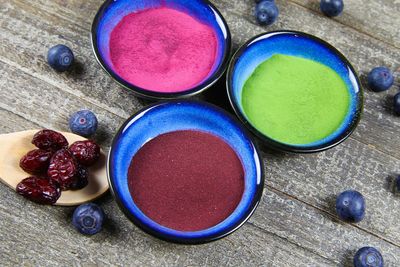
[36, 161]
[86, 152]
[39, 190]
[63, 168]
[81, 178]
[49, 140]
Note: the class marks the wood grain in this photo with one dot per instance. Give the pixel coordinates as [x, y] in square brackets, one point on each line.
[318, 232]
[294, 225]
[122, 244]
[277, 168]
[373, 121]
[362, 51]
[364, 18]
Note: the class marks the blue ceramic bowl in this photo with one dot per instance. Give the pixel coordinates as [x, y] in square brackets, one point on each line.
[261, 48]
[184, 115]
[111, 13]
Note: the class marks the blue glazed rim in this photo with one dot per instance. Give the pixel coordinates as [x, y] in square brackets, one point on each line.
[347, 130]
[141, 92]
[235, 132]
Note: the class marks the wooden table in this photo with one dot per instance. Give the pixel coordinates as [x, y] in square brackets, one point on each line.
[295, 224]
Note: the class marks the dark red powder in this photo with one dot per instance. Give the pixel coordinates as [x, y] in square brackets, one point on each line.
[163, 50]
[186, 180]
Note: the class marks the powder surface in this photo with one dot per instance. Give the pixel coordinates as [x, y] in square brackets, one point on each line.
[186, 180]
[295, 100]
[163, 50]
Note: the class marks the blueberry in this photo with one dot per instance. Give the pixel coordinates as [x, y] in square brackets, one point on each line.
[331, 8]
[398, 183]
[396, 104]
[350, 206]
[83, 122]
[60, 58]
[368, 257]
[266, 12]
[88, 218]
[380, 79]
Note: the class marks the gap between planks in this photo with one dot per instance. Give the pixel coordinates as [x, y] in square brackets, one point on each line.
[240, 15]
[119, 111]
[69, 91]
[62, 88]
[25, 70]
[346, 25]
[291, 242]
[273, 189]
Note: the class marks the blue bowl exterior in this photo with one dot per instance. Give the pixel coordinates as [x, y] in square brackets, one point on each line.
[184, 115]
[113, 11]
[262, 47]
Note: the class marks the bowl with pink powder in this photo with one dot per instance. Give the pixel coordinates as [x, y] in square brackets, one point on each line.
[161, 49]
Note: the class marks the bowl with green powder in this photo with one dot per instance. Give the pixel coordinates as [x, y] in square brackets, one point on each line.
[294, 91]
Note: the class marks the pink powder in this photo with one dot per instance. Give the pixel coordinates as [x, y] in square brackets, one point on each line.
[163, 50]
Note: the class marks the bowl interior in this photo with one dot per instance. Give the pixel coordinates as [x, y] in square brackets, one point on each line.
[261, 48]
[112, 12]
[174, 116]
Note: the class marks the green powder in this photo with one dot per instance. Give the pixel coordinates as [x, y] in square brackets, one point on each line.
[295, 100]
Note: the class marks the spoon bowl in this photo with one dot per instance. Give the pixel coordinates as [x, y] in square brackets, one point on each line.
[15, 145]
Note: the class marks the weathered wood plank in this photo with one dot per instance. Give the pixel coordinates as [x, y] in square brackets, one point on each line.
[372, 123]
[380, 19]
[54, 76]
[363, 52]
[280, 169]
[319, 232]
[26, 34]
[48, 106]
[10, 122]
[120, 243]
[30, 248]
[30, 47]
[317, 179]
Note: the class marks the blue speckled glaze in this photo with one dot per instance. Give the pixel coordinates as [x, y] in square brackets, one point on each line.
[184, 115]
[112, 12]
[301, 45]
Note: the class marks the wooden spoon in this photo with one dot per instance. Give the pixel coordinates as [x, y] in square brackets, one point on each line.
[14, 146]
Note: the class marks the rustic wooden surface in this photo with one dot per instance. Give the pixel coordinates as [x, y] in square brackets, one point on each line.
[295, 224]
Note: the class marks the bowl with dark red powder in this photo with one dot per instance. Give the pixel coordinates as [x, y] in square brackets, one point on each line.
[185, 172]
[161, 49]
